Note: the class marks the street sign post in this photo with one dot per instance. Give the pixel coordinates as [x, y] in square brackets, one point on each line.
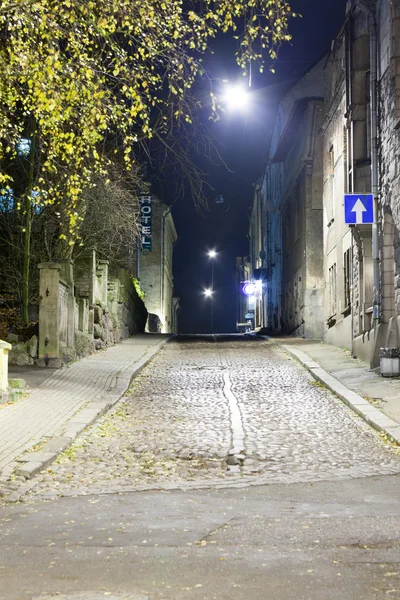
[358, 209]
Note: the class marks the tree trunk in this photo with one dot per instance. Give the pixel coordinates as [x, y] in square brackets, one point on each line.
[27, 236]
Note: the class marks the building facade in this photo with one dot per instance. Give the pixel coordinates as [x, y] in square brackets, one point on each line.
[243, 274]
[337, 133]
[286, 221]
[156, 269]
[388, 50]
[361, 146]
[348, 273]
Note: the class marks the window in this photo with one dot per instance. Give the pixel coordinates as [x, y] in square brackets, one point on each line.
[24, 147]
[332, 290]
[36, 198]
[7, 201]
[347, 280]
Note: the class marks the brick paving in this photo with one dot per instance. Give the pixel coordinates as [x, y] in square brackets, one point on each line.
[198, 404]
[48, 409]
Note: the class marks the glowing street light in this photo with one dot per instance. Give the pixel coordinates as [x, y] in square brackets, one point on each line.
[212, 254]
[249, 288]
[236, 97]
[209, 292]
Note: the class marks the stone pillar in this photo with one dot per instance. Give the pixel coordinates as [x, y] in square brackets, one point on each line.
[67, 275]
[113, 294]
[102, 274]
[49, 343]
[4, 349]
[83, 321]
[92, 275]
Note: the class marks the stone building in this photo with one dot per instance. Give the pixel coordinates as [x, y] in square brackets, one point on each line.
[347, 169]
[242, 274]
[388, 17]
[286, 221]
[155, 275]
[255, 304]
[361, 147]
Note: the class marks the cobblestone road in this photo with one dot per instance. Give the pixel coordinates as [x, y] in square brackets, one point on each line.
[221, 414]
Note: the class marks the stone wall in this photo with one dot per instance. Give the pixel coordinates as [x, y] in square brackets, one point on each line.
[125, 304]
[99, 308]
[389, 161]
[63, 311]
[389, 165]
[294, 305]
[114, 307]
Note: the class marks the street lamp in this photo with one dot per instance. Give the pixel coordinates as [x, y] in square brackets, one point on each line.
[236, 97]
[212, 254]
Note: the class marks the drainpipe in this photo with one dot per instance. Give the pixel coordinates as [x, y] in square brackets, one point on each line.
[165, 215]
[374, 157]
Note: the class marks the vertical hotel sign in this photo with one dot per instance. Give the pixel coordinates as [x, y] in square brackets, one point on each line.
[146, 222]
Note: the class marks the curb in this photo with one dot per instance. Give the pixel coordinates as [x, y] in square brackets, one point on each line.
[32, 463]
[374, 417]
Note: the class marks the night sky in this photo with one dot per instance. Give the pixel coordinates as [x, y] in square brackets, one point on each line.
[244, 143]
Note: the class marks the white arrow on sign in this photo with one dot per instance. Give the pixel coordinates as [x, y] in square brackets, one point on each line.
[359, 209]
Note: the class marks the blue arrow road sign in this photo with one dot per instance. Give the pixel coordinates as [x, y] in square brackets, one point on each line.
[358, 209]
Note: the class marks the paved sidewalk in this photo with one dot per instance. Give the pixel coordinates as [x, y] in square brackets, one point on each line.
[63, 402]
[375, 398]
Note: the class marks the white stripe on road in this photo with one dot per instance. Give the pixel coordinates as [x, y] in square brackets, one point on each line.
[236, 417]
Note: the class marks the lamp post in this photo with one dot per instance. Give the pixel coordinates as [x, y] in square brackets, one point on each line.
[211, 254]
[209, 294]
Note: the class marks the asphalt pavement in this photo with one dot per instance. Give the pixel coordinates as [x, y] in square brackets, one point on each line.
[336, 540]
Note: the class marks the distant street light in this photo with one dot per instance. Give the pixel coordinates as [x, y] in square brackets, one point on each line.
[210, 291]
[212, 254]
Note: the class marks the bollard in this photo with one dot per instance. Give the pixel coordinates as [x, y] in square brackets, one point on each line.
[390, 362]
[4, 349]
